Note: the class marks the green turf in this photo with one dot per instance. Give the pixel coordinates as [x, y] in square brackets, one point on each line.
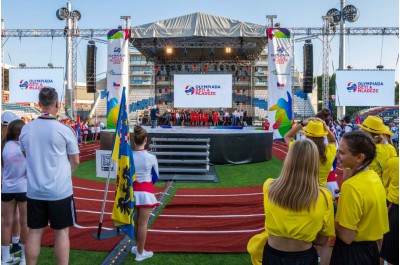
[229, 176]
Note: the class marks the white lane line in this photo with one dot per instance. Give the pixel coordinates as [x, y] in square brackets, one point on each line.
[87, 227]
[205, 232]
[87, 199]
[86, 211]
[210, 216]
[219, 195]
[83, 188]
[281, 150]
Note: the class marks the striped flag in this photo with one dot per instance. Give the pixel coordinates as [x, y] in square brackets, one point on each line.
[124, 204]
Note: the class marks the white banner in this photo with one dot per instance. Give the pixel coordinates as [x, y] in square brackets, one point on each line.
[365, 88]
[117, 73]
[203, 91]
[26, 83]
[280, 81]
[103, 164]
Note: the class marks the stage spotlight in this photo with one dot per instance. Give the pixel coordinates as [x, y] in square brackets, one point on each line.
[155, 68]
[205, 67]
[194, 67]
[169, 50]
[212, 52]
[228, 49]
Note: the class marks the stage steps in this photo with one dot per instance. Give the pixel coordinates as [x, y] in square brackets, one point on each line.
[185, 159]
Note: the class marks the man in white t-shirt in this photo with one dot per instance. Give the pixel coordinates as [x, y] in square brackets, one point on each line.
[52, 155]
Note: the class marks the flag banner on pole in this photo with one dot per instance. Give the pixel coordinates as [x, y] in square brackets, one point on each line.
[78, 129]
[280, 81]
[117, 72]
[124, 204]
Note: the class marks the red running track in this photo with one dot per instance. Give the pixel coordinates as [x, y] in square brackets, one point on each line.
[214, 220]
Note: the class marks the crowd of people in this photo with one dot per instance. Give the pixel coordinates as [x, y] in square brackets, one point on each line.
[174, 117]
[304, 207]
[303, 212]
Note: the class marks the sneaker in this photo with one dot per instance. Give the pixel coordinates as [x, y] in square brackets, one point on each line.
[134, 250]
[15, 248]
[11, 261]
[144, 255]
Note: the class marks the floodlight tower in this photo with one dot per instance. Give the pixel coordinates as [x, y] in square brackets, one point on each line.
[71, 32]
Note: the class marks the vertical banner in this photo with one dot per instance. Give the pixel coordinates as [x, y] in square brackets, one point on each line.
[280, 81]
[117, 72]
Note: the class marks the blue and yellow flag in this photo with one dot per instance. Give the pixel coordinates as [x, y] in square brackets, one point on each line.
[124, 204]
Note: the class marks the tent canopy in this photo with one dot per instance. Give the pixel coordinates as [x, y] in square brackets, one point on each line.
[199, 37]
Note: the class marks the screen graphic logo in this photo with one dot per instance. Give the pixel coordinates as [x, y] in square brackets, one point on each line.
[189, 90]
[23, 84]
[351, 87]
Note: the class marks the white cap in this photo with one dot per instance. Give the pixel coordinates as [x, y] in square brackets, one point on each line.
[8, 117]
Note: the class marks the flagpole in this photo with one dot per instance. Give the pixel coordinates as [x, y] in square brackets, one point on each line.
[104, 201]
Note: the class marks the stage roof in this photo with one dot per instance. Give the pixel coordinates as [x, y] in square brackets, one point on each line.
[199, 37]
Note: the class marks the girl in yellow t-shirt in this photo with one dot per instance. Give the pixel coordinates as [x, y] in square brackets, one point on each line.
[298, 211]
[361, 218]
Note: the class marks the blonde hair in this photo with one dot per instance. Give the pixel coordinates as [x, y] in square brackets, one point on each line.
[297, 187]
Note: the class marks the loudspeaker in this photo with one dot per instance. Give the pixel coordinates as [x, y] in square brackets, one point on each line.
[308, 67]
[91, 68]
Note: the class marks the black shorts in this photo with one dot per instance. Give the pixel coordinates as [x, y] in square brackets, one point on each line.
[19, 197]
[390, 245]
[61, 214]
[278, 257]
[356, 253]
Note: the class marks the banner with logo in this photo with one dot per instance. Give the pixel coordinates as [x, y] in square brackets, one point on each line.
[117, 72]
[365, 88]
[203, 91]
[280, 81]
[26, 83]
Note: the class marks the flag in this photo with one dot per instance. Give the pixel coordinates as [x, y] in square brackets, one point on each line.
[124, 204]
[78, 129]
[358, 119]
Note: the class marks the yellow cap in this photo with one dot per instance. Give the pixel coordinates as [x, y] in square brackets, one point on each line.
[315, 128]
[372, 124]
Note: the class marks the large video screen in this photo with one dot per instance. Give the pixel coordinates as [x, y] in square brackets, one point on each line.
[365, 88]
[203, 91]
[26, 83]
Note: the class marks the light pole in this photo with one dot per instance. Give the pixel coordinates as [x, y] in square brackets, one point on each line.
[72, 18]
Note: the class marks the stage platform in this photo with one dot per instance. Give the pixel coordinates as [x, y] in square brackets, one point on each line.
[236, 145]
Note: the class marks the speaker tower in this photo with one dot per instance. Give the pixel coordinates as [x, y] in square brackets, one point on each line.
[308, 67]
[91, 67]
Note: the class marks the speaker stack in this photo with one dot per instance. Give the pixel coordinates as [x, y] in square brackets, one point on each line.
[308, 67]
[91, 67]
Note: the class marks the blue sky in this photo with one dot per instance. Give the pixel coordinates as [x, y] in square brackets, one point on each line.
[362, 52]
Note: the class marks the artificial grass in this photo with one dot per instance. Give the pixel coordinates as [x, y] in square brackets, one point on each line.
[229, 176]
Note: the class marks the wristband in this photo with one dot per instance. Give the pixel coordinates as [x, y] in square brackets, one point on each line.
[301, 122]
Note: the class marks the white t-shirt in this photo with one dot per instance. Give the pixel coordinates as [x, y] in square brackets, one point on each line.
[144, 163]
[47, 144]
[14, 174]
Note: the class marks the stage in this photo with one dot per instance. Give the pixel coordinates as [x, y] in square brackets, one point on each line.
[237, 145]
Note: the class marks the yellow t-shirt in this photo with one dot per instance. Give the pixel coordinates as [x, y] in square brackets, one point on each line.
[383, 153]
[324, 169]
[302, 225]
[362, 206]
[392, 150]
[391, 179]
